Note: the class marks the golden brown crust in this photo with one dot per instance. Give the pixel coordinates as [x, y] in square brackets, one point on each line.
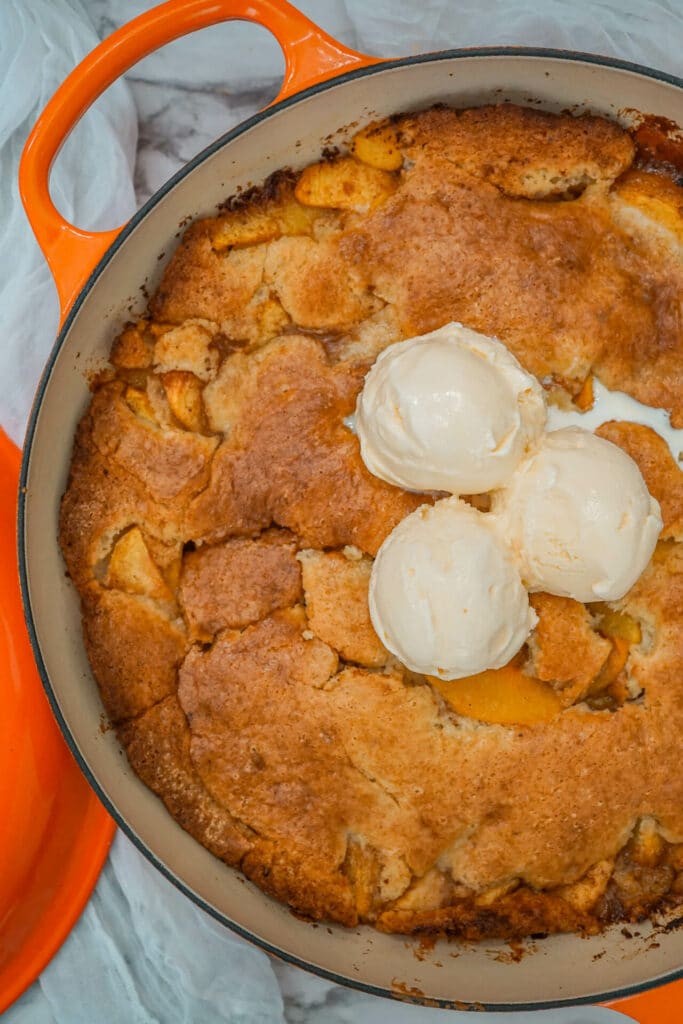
[200, 282]
[559, 283]
[128, 638]
[100, 502]
[663, 477]
[239, 582]
[654, 197]
[291, 460]
[132, 350]
[525, 153]
[523, 912]
[336, 589]
[317, 287]
[401, 792]
[169, 464]
[188, 348]
[279, 733]
[158, 747]
[565, 650]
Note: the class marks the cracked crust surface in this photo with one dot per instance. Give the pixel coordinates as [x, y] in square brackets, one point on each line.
[288, 457]
[663, 477]
[565, 649]
[220, 525]
[336, 590]
[233, 584]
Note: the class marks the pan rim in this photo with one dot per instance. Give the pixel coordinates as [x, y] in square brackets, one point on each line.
[541, 53]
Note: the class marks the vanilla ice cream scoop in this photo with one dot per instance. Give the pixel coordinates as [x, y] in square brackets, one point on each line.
[579, 517]
[448, 411]
[445, 594]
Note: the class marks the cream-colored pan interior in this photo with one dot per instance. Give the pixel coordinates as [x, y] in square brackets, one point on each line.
[561, 968]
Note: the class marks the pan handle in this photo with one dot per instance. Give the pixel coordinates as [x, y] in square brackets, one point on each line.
[311, 56]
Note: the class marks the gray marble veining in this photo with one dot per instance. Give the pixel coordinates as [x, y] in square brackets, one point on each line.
[178, 121]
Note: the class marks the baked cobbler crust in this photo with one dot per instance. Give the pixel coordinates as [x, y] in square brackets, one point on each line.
[219, 525]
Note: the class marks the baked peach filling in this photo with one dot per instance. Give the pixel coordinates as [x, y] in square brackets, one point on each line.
[504, 696]
[512, 696]
[221, 527]
[623, 632]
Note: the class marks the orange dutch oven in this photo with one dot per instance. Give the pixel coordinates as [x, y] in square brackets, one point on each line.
[98, 276]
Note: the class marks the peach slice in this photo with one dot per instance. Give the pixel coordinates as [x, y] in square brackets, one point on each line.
[253, 225]
[139, 403]
[622, 631]
[172, 573]
[344, 184]
[616, 660]
[489, 896]
[585, 398]
[133, 570]
[502, 696]
[617, 624]
[184, 394]
[362, 869]
[377, 145]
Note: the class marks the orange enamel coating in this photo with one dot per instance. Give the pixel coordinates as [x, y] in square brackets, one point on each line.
[311, 56]
[658, 1006]
[55, 834]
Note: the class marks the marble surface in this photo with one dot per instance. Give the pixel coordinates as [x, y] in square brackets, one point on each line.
[186, 96]
[199, 87]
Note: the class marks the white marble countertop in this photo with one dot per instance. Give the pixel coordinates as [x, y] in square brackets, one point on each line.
[186, 96]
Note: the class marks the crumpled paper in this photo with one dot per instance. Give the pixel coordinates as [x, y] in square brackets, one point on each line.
[141, 952]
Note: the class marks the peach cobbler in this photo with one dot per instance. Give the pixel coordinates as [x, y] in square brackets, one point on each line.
[220, 526]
